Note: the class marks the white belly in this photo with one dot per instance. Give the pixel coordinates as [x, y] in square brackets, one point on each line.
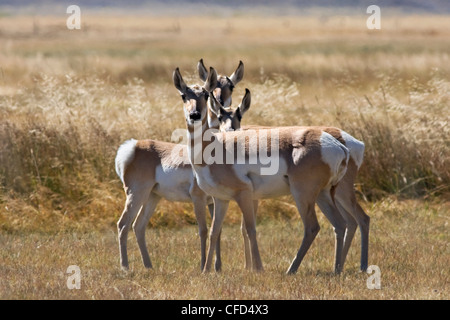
[174, 184]
[269, 186]
[262, 186]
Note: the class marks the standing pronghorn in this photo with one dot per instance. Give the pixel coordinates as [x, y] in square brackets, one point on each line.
[310, 164]
[354, 215]
[151, 170]
[345, 195]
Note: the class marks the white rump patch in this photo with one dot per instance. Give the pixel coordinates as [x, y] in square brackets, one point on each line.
[333, 153]
[124, 156]
[355, 147]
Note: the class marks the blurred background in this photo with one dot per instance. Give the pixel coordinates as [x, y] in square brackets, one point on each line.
[69, 98]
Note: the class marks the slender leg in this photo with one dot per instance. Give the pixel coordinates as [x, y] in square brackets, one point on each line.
[248, 213]
[218, 264]
[350, 231]
[200, 215]
[347, 204]
[140, 224]
[247, 254]
[363, 221]
[248, 257]
[133, 205]
[329, 209]
[220, 209]
[305, 206]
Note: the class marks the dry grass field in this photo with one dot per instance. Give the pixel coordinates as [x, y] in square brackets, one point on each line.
[69, 98]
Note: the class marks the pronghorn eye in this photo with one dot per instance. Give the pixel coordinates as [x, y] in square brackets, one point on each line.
[220, 118]
[183, 96]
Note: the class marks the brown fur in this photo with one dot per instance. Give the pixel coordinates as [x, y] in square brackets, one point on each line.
[308, 175]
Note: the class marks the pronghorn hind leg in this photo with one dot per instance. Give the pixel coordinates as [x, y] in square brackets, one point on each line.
[140, 224]
[363, 221]
[347, 203]
[305, 205]
[352, 211]
[326, 204]
[350, 230]
[133, 204]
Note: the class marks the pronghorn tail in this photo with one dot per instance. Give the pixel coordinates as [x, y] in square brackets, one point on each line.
[125, 155]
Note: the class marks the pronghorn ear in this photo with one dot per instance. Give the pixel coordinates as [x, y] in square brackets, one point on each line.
[202, 71]
[211, 82]
[245, 103]
[237, 75]
[215, 105]
[178, 81]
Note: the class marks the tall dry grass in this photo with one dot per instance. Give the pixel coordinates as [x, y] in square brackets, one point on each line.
[69, 99]
[59, 138]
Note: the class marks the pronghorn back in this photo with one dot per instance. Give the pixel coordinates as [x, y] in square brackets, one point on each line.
[330, 136]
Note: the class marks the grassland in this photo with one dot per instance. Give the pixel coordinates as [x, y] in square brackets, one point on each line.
[69, 98]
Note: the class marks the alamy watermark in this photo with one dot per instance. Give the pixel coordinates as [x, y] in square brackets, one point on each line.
[249, 146]
[74, 20]
[74, 278]
[374, 20]
[374, 280]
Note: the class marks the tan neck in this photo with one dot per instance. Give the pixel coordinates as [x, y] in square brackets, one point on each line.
[196, 143]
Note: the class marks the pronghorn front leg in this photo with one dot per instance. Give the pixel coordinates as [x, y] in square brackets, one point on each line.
[248, 257]
[220, 209]
[246, 204]
[218, 264]
[200, 215]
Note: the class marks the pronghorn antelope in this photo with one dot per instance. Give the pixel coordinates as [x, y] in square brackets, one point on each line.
[345, 196]
[354, 215]
[225, 85]
[310, 164]
[149, 171]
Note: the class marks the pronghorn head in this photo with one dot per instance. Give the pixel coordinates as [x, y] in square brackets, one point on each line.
[229, 119]
[225, 85]
[195, 97]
